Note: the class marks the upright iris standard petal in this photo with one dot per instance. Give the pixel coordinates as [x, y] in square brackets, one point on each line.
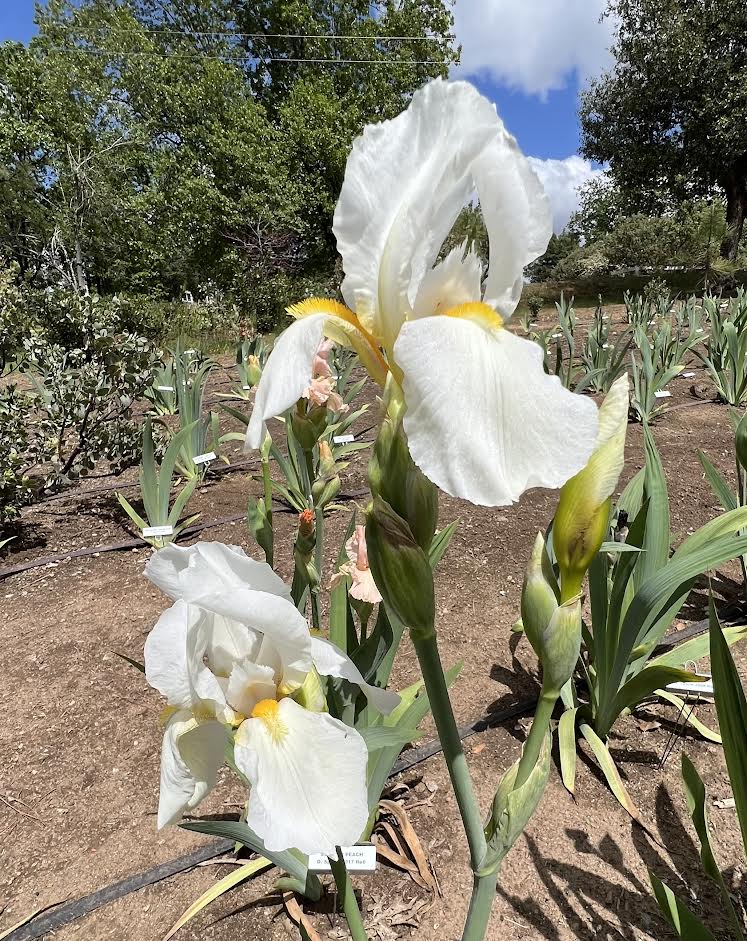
[455, 280]
[191, 756]
[406, 181]
[483, 420]
[329, 660]
[223, 580]
[287, 374]
[179, 570]
[517, 215]
[308, 776]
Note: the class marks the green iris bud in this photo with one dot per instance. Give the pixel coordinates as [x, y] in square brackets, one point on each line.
[394, 477]
[253, 371]
[582, 517]
[553, 629]
[400, 569]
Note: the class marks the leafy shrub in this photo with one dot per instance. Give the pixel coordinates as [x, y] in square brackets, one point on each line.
[656, 291]
[164, 320]
[587, 262]
[85, 388]
[16, 488]
[14, 318]
[535, 303]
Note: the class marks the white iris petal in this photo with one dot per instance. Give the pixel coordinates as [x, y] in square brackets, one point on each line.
[521, 428]
[308, 775]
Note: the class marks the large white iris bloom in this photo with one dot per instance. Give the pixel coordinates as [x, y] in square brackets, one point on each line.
[483, 420]
[231, 657]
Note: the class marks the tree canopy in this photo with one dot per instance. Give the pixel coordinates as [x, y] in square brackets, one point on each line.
[669, 117]
[163, 147]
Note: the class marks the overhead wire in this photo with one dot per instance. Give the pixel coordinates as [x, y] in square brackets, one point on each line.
[258, 58]
[219, 34]
[239, 35]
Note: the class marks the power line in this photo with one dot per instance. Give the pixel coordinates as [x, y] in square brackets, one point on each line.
[259, 59]
[237, 35]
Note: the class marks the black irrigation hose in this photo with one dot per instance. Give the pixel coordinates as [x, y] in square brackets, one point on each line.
[62, 915]
[136, 543]
[70, 911]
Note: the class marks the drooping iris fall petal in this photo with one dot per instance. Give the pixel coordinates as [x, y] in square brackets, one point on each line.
[308, 776]
[483, 420]
[191, 756]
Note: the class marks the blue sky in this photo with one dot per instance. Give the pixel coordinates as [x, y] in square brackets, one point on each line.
[530, 57]
[16, 20]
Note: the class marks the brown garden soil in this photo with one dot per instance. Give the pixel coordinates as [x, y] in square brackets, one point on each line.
[80, 742]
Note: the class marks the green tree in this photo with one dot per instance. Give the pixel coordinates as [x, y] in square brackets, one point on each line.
[559, 247]
[153, 146]
[669, 116]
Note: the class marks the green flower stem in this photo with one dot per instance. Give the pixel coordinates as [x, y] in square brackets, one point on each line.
[347, 895]
[267, 484]
[316, 615]
[533, 744]
[483, 891]
[480, 905]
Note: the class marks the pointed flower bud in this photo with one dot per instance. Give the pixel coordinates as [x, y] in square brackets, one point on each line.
[253, 370]
[539, 601]
[326, 487]
[553, 629]
[400, 569]
[394, 477]
[326, 460]
[560, 645]
[582, 516]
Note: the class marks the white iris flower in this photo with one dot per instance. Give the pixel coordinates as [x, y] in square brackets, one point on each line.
[235, 659]
[483, 420]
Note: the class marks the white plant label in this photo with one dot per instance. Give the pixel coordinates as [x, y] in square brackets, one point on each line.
[164, 388]
[357, 859]
[158, 531]
[703, 688]
[687, 375]
[663, 394]
[343, 439]
[247, 388]
[204, 458]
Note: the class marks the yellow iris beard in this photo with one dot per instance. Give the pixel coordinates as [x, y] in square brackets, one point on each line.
[479, 313]
[267, 711]
[344, 328]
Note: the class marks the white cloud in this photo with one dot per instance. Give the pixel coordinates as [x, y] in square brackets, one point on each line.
[562, 179]
[533, 45]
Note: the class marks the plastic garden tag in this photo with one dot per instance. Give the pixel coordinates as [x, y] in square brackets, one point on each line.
[158, 531]
[164, 388]
[247, 388]
[361, 858]
[204, 458]
[343, 439]
[704, 688]
[662, 394]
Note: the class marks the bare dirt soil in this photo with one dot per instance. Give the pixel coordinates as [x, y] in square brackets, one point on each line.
[80, 742]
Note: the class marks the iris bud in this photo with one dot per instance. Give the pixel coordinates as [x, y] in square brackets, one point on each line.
[400, 569]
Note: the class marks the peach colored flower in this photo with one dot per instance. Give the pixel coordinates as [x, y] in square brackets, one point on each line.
[321, 390]
[363, 587]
